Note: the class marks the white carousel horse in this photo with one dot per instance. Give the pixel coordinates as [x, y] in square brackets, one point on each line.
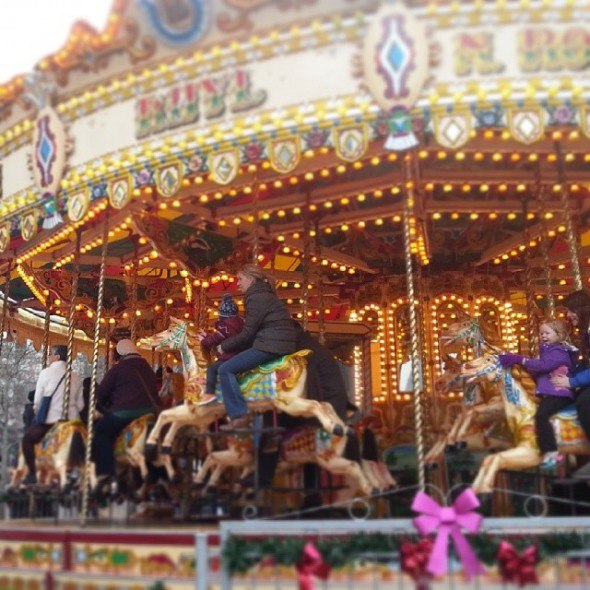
[479, 426]
[517, 390]
[281, 381]
[239, 453]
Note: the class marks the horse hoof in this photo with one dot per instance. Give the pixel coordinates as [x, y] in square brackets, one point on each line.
[338, 430]
[151, 451]
[166, 450]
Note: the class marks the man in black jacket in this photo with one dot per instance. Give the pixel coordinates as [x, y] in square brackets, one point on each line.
[127, 391]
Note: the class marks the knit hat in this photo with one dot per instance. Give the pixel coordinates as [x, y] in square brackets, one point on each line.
[228, 307]
[125, 347]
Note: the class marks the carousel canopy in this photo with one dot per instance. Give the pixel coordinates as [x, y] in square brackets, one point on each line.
[188, 137]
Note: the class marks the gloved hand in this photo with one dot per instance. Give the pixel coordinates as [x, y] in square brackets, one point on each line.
[509, 360]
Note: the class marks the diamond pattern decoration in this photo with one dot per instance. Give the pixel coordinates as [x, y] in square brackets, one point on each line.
[351, 142]
[4, 236]
[285, 154]
[224, 166]
[169, 179]
[120, 193]
[526, 126]
[78, 205]
[49, 151]
[452, 130]
[29, 226]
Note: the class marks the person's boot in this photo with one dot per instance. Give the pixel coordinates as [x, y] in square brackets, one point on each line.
[583, 472]
[30, 479]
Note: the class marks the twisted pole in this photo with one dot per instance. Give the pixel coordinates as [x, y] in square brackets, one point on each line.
[320, 287]
[567, 215]
[306, 263]
[133, 297]
[95, 350]
[45, 343]
[414, 335]
[542, 195]
[256, 215]
[529, 291]
[6, 295]
[71, 330]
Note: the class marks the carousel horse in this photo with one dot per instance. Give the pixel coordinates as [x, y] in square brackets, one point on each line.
[238, 454]
[60, 451]
[279, 385]
[306, 445]
[129, 451]
[479, 425]
[517, 389]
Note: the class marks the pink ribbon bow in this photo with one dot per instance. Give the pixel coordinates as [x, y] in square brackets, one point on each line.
[448, 522]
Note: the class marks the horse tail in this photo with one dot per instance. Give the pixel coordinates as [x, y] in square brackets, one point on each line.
[352, 450]
[370, 450]
[77, 449]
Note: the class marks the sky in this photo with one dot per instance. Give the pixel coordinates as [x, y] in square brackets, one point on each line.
[32, 29]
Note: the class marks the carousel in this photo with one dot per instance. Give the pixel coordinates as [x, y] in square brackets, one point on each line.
[414, 176]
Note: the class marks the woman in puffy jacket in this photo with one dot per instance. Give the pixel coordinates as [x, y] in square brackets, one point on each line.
[268, 333]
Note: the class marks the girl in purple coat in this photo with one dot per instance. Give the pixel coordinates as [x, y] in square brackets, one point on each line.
[556, 357]
[229, 324]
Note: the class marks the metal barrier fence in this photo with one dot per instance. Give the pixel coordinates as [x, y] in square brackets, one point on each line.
[382, 569]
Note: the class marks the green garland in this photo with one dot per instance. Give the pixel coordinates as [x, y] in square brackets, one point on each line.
[241, 554]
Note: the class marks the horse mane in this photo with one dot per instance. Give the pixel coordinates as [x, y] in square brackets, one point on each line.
[202, 356]
[521, 375]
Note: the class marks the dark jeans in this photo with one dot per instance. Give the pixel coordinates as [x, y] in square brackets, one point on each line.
[33, 435]
[549, 406]
[106, 431]
[235, 403]
[212, 371]
[583, 409]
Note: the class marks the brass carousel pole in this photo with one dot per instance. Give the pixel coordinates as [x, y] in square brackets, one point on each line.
[542, 195]
[46, 324]
[4, 449]
[567, 215]
[71, 330]
[414, 335]
[306, 263]
[95, 351]
[133, 298]
[320, 287]
[256, 216]
[6, 295]
[529, 291]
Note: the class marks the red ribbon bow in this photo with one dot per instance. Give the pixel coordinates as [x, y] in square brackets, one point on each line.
[517, 568]
[414, 559]
[311, 565]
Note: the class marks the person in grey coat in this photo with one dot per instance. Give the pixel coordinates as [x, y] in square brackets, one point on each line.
[268, 333]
